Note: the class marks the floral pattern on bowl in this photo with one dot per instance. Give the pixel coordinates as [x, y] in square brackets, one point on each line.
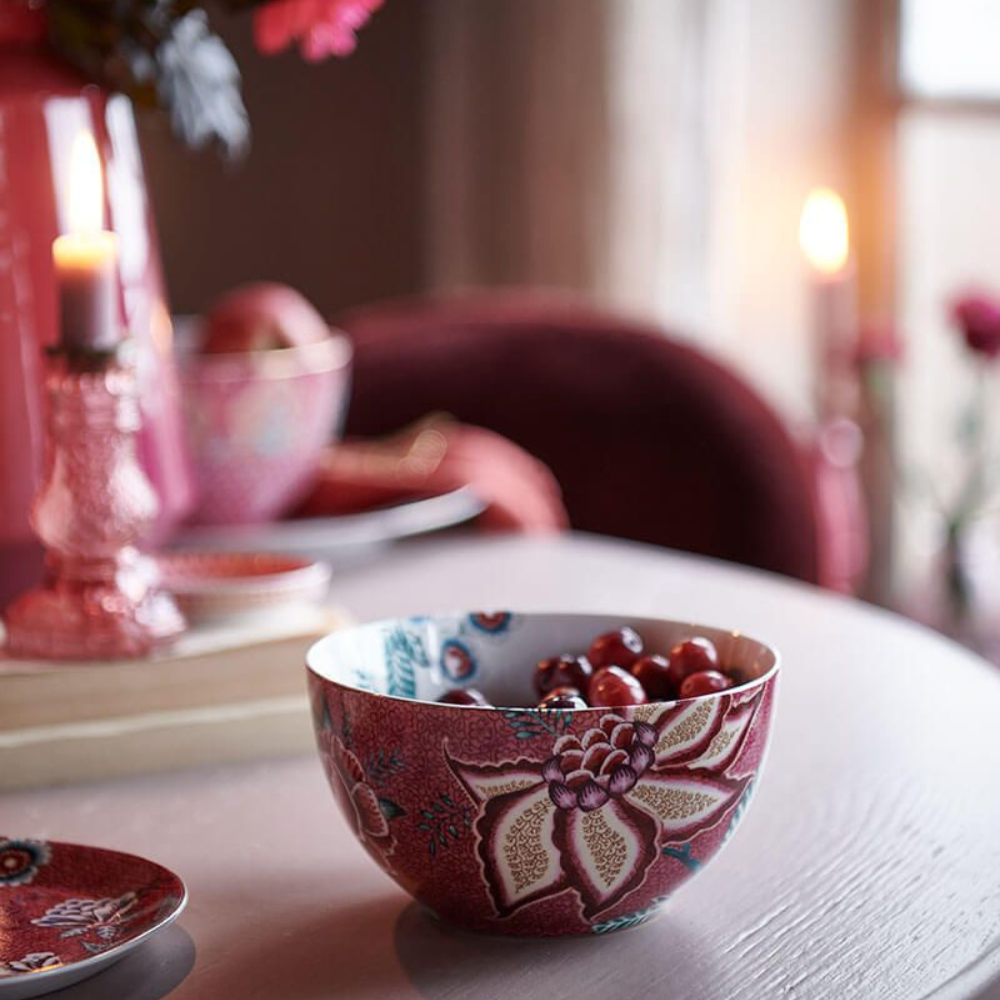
[257, 423]
[526, 821]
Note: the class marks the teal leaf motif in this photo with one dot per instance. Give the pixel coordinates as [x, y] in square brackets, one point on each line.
[390, 810]
[444, 823]
[528, 723]
[382, 766]
[741, 808]
[404, 653]
[629, 919]
[683, 855]
[94, 948]
[321, 715]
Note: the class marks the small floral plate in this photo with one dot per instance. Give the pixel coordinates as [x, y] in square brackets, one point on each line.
[69, 911]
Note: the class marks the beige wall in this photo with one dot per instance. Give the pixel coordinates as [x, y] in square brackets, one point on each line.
[328, 199]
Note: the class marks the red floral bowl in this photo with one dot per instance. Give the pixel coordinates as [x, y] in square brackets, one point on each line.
[466, 807]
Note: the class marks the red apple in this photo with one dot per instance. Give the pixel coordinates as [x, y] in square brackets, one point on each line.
[262, 317]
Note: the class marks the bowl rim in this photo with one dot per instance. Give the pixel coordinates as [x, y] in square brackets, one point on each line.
[768, 676]
[334, 353]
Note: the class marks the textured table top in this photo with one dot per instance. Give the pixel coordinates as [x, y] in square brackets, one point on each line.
[868, 865]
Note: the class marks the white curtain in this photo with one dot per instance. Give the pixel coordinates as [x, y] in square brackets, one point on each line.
[653, 152]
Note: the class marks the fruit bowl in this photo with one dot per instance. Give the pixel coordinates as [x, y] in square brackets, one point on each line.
[257, 422]
[467, 808]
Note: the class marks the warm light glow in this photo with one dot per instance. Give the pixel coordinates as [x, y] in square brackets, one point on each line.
[823, 231]
[86, 189]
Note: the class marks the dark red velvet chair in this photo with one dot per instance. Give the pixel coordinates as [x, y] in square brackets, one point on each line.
[649, 439]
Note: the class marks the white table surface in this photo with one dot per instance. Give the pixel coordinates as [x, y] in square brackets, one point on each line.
[868, 866]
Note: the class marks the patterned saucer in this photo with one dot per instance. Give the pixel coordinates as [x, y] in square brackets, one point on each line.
[69, 911]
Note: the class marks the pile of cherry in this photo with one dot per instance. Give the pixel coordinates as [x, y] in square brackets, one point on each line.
[617, 671]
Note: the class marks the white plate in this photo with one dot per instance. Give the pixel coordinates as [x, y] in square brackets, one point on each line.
[340, 539]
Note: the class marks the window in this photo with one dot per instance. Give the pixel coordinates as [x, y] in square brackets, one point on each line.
[948, 49]
[948, 240]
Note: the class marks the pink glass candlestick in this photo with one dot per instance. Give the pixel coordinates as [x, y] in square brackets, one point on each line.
[100, 599]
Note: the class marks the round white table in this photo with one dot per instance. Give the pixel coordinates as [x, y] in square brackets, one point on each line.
[867, 867]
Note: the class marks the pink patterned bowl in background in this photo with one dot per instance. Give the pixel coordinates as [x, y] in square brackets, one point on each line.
[257, 422]
[466, 808]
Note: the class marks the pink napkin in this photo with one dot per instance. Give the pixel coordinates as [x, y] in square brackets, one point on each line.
[435, 456]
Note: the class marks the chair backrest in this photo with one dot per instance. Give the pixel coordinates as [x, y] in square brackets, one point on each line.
[649, 439]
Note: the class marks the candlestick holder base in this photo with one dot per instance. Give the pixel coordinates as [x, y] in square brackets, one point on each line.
[94, 610]
[100, 599]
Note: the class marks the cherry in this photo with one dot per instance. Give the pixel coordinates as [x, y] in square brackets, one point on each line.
[691, 657]
[563, 697]
[612, 687]
[463, 696]
[653, 673]
[704, 682]
[562, 671]
[620, 648]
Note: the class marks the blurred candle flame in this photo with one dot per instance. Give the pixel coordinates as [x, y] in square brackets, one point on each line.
[823, 231]
[86, 187]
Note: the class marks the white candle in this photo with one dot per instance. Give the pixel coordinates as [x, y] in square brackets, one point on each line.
[86, 260]
[824, 235]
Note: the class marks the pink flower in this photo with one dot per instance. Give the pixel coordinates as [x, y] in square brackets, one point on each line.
[977, 315]
[595, 816]
[322, 27]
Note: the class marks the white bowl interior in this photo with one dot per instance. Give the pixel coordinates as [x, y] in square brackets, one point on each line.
[423, 657]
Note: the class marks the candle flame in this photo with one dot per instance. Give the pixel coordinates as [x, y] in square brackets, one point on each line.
[86, 187]
[823, 231]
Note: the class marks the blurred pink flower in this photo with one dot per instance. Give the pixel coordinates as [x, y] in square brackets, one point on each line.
[977, 315]
[322, 27]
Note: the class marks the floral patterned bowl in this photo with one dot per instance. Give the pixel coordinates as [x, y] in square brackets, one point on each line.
[257, 423]
[466, 808]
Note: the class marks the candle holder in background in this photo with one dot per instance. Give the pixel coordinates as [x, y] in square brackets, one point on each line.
[100, 599]
[877, 359]
[854, 394]
[824, 235]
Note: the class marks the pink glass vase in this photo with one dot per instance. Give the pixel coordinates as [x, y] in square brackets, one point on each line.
[43, 106]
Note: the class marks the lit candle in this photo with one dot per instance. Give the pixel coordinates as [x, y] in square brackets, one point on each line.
[86, 260]
[824, 235]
